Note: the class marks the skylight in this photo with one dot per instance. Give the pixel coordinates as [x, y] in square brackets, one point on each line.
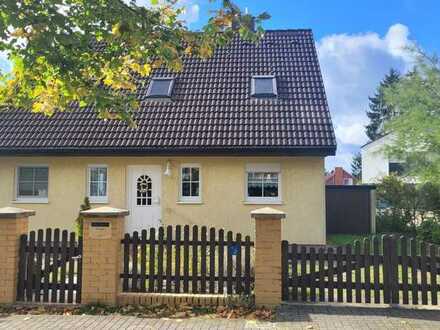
[160, 87]
[264, 86]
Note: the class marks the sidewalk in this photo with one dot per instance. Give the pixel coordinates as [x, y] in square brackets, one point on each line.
[289, 317]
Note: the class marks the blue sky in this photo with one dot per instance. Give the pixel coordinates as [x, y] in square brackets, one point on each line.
[357, 42]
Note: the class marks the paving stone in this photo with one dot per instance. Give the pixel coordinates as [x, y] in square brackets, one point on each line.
[317, 317]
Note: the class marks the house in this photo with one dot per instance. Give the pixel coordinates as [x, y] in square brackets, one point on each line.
[339, 176]
[247, 128]
[376, 164]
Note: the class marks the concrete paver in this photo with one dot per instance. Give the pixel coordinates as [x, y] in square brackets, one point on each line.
[288, 317]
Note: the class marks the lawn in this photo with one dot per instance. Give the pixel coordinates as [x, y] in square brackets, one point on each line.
[343, 239]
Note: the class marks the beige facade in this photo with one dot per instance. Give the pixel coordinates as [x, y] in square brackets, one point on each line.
[223, 190]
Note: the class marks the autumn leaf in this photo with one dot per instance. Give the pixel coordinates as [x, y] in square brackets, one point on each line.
[68, 56]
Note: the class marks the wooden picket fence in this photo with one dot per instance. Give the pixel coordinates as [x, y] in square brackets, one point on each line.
[167, 261]
[49, 267]
[391, 271]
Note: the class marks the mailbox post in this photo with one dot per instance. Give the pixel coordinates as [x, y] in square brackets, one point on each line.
[103, 230]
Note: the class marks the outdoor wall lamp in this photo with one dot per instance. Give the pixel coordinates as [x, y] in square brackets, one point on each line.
[167, 169]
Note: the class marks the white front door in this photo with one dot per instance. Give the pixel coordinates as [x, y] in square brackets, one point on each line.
[144, 197]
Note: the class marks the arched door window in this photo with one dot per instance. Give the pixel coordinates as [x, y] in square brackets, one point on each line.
[143, 190]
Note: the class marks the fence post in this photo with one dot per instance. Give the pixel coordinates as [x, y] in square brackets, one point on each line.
[268, 285]
[13, 224]
[103, 229]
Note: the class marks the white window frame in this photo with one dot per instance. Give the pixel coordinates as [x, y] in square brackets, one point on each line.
[190, 199]
[263, 167]
[97, 199]
[33, 199]
[348, 181]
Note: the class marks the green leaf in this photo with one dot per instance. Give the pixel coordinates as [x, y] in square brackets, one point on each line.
[61, 58]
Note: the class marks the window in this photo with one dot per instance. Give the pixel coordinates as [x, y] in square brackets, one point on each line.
[396, 168]
[348, 181]
[190, 183]
[263, 183]
[264, 86]
[97, 184]
[32, 183]
[144, 189]
[160, 87]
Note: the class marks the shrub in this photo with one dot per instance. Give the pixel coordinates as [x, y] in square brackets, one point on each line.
[405, 207]
[80, 219]
[392, 223]
[429, 230]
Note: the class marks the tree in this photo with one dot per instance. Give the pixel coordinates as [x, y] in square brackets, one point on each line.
[91, 52]
[380, 111]
[356, 166]
[417, 127]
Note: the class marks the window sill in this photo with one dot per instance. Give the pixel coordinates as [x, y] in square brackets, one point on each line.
[31, 201]
[98, 201]
[263, 202]
[190, 202]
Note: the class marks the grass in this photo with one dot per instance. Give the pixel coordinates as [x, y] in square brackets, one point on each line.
[343, 239]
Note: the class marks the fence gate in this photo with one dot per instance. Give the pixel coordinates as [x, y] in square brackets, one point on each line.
[390, 270]
[50, 267]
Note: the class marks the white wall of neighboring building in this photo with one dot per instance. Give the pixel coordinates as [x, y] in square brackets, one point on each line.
[374, 160]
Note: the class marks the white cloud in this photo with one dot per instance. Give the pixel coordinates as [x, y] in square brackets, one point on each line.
[191, 12]
[350, 133]
[352, 67]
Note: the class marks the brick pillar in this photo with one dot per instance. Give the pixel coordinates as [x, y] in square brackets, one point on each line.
[103, 230]
[13, 224]
[267, 256]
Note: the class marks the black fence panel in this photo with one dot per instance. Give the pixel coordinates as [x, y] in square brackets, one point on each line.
[49, 267]
[199, 261]
[393, 270]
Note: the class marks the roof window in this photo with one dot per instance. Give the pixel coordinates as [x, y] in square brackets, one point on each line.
[160, 87]
[264, 86]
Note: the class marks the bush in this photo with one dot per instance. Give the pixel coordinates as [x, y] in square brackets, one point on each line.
[429, 231]
[392, 223]
[79, 220]
[410, 208]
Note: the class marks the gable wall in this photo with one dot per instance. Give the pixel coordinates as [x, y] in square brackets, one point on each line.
[375, 160]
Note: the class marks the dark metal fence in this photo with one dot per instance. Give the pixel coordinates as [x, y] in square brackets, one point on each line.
[388, 270]
[50, 267]
[176, 261]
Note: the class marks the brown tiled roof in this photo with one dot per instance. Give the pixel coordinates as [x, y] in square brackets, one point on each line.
[211, 110]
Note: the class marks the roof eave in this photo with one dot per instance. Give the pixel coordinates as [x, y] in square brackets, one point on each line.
[201, 151]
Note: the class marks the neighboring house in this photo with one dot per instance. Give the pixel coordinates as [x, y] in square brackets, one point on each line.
[247, 128]
[339, 176]
[375, 162]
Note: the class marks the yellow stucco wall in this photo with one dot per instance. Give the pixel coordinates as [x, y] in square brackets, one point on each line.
[223, 191]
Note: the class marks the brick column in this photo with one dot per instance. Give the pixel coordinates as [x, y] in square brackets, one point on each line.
[13, 224]
[103, 230]
[267, 256]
